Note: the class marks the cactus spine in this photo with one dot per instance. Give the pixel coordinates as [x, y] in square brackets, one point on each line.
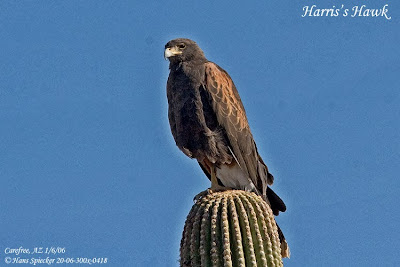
[230, 228]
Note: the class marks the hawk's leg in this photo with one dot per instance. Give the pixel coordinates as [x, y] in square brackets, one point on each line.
[215, 187]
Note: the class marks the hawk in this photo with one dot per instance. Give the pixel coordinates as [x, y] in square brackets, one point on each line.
[209, 123]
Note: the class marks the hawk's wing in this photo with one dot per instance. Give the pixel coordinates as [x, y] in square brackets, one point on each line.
[230, 113]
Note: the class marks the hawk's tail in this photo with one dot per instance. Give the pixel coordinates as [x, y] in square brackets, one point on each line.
[275, 201]
[277, 205]
[285, 251]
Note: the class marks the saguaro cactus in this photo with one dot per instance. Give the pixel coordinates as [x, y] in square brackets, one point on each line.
[230, 228]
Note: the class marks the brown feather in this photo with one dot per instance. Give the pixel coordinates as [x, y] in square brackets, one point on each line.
[231, 115]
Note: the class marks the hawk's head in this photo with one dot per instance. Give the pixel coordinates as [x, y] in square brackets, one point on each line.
[182, 49]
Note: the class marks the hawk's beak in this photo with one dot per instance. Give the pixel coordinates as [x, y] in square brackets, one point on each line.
[171, 51]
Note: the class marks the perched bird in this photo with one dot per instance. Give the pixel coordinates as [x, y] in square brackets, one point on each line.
[209, 123]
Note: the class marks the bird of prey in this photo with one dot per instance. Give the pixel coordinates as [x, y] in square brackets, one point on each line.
[209, 123]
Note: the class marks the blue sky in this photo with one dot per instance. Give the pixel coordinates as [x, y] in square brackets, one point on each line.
[87, 160]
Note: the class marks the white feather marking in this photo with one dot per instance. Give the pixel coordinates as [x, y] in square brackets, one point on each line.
[234, 177]
[233, 154]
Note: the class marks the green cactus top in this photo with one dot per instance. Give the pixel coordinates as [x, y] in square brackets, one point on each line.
[230, 228]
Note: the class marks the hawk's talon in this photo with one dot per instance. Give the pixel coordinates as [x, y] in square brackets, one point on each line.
[218, 188]
[201, 195]
[209, 191]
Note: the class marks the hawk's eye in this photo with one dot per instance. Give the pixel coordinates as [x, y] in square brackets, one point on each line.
[181, 46]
